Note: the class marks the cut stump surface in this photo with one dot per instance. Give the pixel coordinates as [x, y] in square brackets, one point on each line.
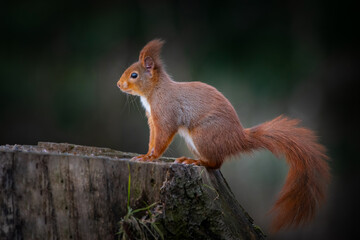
[66, 191]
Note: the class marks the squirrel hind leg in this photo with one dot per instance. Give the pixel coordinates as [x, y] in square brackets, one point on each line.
[185, 160]
[210, 164]
[200, 162]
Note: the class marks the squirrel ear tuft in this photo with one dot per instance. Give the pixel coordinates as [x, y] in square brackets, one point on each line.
[150, 54]
[148, 63]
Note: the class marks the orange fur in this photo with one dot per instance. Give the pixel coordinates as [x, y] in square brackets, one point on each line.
[208, 122]
[152, 49]
[308, 176]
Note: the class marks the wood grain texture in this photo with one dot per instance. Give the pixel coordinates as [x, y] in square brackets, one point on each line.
[66, 191]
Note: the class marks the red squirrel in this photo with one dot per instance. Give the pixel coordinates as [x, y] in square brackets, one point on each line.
[213, 133]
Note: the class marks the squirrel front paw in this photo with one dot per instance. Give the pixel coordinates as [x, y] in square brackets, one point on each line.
[144, 158]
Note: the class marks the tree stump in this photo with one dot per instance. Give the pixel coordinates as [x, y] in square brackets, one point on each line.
[66, 191]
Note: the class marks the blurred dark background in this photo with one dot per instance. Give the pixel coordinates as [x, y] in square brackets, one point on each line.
[60, 62]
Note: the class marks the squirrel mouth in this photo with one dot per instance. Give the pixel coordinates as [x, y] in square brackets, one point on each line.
[127, 91]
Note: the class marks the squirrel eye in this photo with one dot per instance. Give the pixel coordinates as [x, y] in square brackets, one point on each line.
[134, 75]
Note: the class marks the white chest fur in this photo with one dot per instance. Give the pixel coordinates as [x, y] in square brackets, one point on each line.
[184, 132]
[145, 104]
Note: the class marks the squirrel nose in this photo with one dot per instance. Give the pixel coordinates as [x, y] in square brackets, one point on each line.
[122, 85]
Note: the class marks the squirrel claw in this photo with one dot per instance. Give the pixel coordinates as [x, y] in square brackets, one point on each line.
[185, 160]
[143, 158]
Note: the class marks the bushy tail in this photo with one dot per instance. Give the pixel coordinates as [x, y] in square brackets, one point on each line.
[308, 175]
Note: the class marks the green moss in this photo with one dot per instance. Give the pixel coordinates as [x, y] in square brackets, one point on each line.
[137, 191]
[258, 229]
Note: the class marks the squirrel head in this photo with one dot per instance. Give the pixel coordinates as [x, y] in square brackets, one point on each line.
[142, 76]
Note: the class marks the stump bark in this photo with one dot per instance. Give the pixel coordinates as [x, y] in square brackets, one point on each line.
[66, 191]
